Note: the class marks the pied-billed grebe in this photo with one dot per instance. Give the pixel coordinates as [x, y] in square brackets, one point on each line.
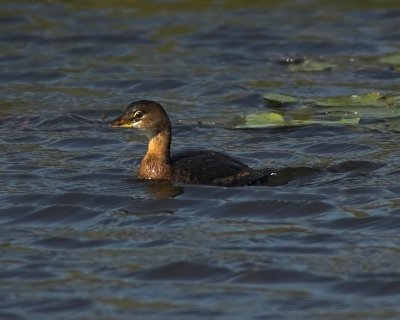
[191, 167]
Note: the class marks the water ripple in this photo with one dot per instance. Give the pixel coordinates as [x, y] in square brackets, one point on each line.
[82, 238]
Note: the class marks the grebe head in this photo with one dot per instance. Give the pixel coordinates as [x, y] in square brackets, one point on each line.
[145, 115]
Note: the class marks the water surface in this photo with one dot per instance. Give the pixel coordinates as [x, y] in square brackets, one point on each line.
[81, 238]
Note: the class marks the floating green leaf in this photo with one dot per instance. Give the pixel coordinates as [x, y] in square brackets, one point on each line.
[371, 99]
[310, 65]
[272, 119]
[280, 99]
[391, 100]
[368, 99]
[393, 59]
[319, 120]
[334, 110]
[259, 120]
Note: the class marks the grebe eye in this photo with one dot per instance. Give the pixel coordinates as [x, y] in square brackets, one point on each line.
[138, 114]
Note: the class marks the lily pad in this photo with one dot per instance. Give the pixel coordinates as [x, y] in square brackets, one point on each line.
[371, 99]
[340, 121]
[280, 99]
[368, 99]
[272, 119]
[370, 104]
[261, 120]
[391, 100]
[310, 65]
[334, 110]
[393, 59]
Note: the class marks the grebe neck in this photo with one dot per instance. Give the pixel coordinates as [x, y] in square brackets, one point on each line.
[156, 162]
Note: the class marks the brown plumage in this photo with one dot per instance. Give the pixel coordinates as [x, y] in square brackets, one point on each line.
[190, 167]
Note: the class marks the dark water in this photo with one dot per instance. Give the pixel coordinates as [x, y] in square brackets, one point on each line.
[80, 238]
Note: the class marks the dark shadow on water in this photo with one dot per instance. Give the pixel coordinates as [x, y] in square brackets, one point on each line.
[159, 188]
[355, 166]
[267, 177]
[163, 189]
[283, 176]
